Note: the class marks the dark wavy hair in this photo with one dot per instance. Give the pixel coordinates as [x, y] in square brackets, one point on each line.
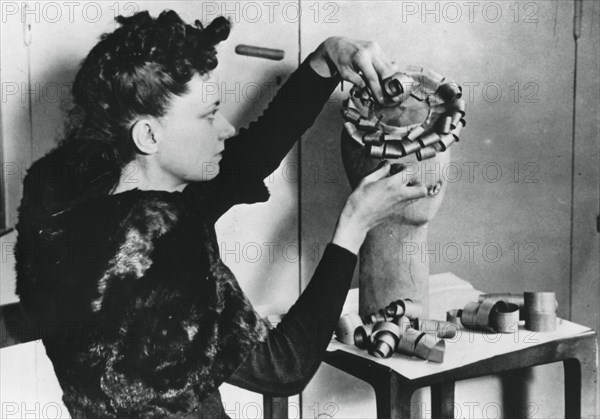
[132, 71]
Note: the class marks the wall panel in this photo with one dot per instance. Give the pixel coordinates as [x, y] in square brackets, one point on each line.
[508, 205]
[15, 121]
[585, 281]
[259, 243]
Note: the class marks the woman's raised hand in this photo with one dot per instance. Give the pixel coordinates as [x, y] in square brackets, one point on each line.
[359, 62]
[379, 197]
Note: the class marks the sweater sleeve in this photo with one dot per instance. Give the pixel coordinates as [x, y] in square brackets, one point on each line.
[286, 361]
[256, 151]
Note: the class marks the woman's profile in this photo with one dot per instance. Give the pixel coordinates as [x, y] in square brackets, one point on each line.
[139, 315]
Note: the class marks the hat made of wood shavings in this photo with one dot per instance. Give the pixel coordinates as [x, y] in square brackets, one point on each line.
[422, 106]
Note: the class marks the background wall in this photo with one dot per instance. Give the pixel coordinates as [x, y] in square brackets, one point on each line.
[523, 197]
[259, 242]
[517, 201]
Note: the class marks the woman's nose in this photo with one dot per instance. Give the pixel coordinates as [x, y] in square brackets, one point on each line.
[225, 129]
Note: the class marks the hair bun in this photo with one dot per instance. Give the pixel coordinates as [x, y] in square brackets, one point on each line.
[218, 30]
[135, 20]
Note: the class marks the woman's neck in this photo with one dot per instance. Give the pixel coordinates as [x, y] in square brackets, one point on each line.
[145, 176]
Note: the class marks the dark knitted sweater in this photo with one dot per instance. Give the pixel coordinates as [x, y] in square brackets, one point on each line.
[140, 317]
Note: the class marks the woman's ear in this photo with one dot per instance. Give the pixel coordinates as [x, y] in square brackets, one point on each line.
[144, 136]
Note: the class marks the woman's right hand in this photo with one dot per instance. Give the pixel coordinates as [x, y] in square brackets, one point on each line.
[378, 197]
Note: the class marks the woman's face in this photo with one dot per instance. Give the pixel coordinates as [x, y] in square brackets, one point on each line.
[191, 134]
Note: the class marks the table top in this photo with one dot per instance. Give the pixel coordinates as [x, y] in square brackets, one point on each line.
[446, 292]
[467, 347]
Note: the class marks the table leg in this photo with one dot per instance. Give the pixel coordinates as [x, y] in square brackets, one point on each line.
[581, 388]
[275, 407]
[572, 388]
[393, 401]
[442, 400]
[516, 393]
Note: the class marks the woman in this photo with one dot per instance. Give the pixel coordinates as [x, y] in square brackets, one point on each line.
[140, 317]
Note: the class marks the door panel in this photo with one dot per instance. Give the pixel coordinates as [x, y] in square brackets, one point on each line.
[259, 242]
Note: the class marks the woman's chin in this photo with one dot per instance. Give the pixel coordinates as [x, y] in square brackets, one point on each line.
[210, 176]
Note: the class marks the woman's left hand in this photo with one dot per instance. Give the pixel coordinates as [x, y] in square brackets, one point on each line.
[359, 62]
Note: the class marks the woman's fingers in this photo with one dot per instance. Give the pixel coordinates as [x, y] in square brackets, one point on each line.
[352, 76]
[382, 171]
[409, 186]
[364, 63]
[383, 67]
[375, 67]
[415, 191]
[380, 195]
